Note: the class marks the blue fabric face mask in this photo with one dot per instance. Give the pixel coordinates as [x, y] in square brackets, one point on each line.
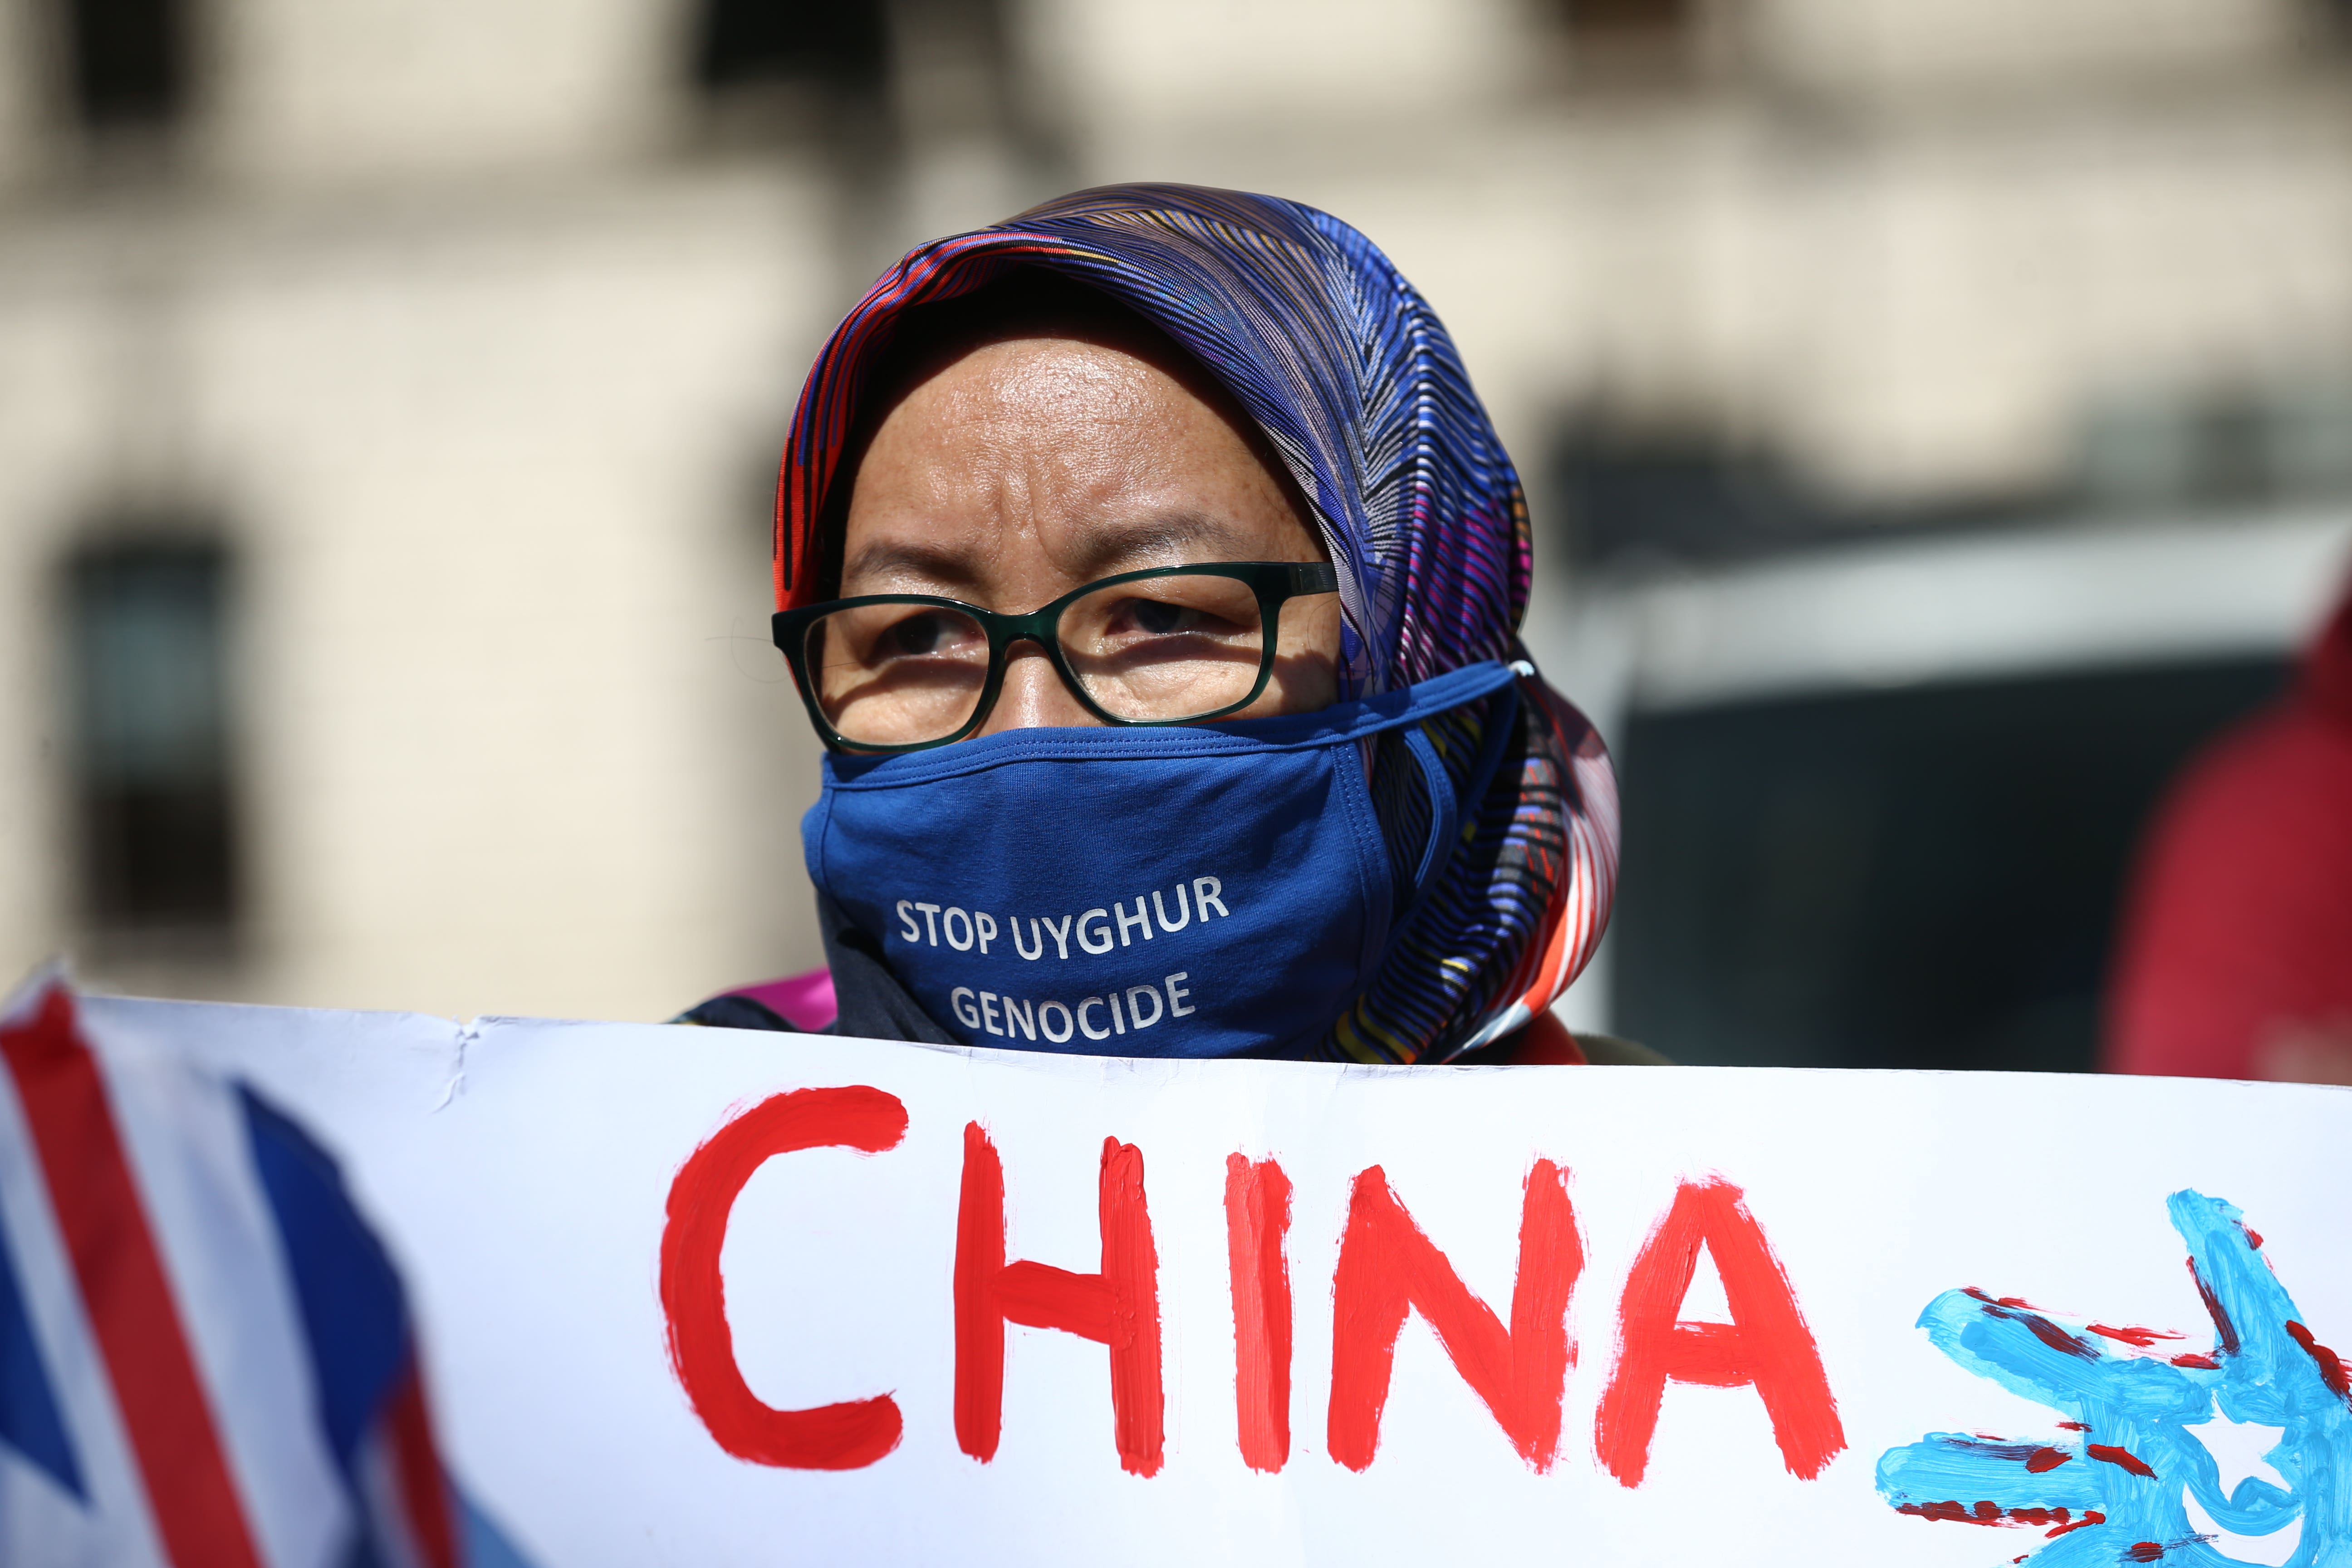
[1185, 891]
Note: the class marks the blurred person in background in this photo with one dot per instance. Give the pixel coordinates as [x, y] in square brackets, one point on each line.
[2236, 955]
[1152, 575]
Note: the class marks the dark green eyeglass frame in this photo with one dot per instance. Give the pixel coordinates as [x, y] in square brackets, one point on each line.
[1275, 582]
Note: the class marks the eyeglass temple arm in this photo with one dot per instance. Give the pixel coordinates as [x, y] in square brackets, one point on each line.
[1314, 577]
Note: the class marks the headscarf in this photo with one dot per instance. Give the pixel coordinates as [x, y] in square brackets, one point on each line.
[1355, 382]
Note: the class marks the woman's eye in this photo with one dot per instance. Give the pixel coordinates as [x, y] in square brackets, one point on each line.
[1159, 620]
[919, 635]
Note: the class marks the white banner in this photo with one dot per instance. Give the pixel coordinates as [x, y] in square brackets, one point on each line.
[696, 1296]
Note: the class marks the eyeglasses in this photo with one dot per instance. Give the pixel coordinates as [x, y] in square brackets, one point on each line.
[1170, 645]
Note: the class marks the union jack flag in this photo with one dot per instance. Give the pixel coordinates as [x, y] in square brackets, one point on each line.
[206, 1358]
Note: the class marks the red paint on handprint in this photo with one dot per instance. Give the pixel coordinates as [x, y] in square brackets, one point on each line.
[2202, 1362]
[2139, 1338]
[1991, 1299]
[2046, 1459]
[2331, 1365]
[1766, 1344]
[1257, 1218]
[2143, 1551]
[2073, 1427]
[842, 1437]
[2090, 1516]
[2123, 1457]
[2016, 1309]
[1118, 1307]
[1388, 1266]
[1992, 1513]
[2222, 1327]
[2056, 1338]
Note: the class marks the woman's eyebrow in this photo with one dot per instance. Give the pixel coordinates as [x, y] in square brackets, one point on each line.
[900, 559]
[1100, 549]
[1105, 549]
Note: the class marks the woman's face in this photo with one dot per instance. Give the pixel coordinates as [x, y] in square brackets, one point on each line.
[1033, 466]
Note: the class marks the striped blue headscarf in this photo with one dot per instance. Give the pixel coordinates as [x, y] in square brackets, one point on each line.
[1356, 386]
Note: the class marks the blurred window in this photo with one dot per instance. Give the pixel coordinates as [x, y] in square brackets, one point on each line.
[841, 44]
[1632, 494]
[1636, 44]
[1916, 879]
[1629, 20]
[149, 690]
[2174, 447]
[129, 60]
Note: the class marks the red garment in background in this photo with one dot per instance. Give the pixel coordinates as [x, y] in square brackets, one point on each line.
[2236, 944]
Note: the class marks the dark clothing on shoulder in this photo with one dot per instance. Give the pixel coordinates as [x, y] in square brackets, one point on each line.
[732, 1012]
[873, 1005]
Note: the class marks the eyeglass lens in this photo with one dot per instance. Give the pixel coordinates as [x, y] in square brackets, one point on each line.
[1158, 649]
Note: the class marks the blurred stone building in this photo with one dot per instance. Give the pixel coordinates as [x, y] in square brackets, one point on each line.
[388, 391]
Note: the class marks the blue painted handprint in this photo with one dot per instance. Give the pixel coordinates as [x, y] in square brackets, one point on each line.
[2115, 1489]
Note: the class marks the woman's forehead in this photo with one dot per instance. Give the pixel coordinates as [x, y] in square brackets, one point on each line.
[1043, 372]
[1090, 452]
[1065, 390]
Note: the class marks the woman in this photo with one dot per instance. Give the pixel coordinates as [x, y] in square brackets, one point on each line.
[1151, 573]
